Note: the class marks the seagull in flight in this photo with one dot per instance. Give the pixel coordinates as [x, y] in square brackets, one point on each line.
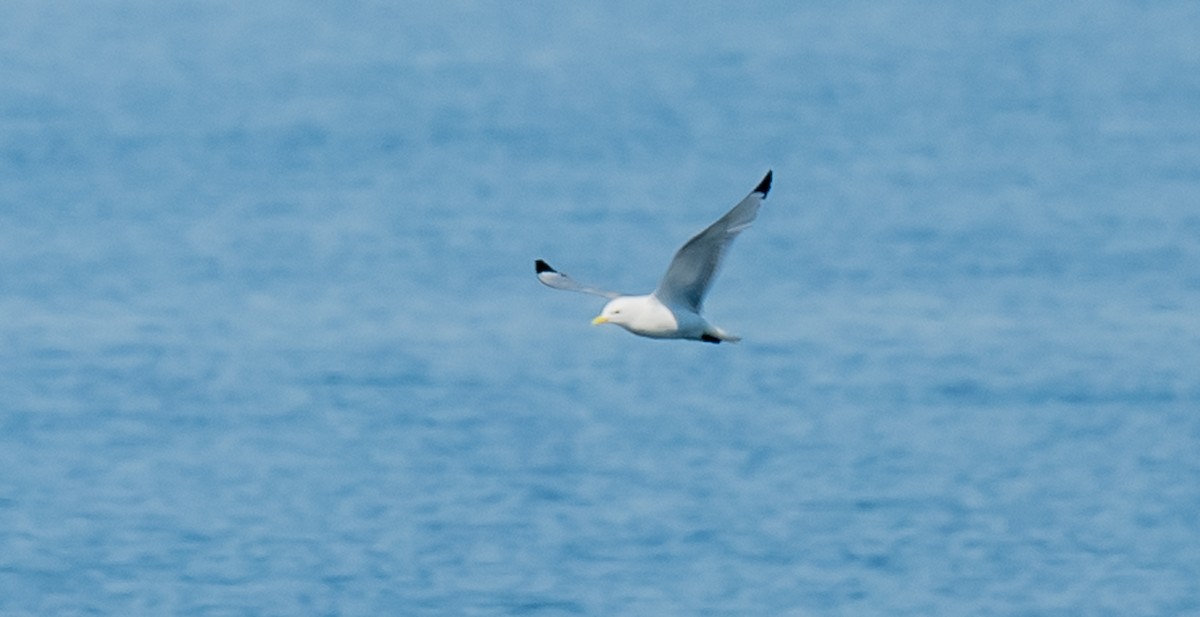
[672, 310]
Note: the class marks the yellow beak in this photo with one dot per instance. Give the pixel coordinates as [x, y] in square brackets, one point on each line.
[599, 320]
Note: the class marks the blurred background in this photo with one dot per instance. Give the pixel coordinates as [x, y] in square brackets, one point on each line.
[270, 340]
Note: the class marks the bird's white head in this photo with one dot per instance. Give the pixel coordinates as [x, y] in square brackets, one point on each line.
[619, 311]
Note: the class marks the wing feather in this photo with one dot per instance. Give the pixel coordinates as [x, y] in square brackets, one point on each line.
[553, 278]
[696, 263]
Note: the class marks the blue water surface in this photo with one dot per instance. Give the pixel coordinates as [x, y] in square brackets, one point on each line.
[271, 344]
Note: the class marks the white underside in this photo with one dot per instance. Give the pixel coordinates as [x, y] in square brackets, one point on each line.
[648, 316]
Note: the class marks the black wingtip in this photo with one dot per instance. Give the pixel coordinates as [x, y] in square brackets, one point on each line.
[542, 266]
[764, 187]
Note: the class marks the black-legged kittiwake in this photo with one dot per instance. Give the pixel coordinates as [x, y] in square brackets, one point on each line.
[673, 309]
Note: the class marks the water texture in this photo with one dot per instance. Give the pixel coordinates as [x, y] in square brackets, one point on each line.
[270, 341]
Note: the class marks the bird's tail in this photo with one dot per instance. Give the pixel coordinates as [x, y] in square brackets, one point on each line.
[722, 336]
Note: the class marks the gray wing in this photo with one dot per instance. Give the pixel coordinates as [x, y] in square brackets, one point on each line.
[553, 278]
[695, 264]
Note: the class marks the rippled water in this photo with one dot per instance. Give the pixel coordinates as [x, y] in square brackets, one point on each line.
[271, 341]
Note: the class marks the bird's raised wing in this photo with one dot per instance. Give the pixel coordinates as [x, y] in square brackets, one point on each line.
[696, 262]
[553, 278]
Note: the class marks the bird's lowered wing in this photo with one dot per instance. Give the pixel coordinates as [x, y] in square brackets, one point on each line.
[553, 278]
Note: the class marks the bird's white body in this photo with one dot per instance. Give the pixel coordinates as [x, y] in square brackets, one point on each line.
[673, 310]
[648, 316]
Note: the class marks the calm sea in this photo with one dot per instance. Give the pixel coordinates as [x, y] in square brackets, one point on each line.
[271, 344]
